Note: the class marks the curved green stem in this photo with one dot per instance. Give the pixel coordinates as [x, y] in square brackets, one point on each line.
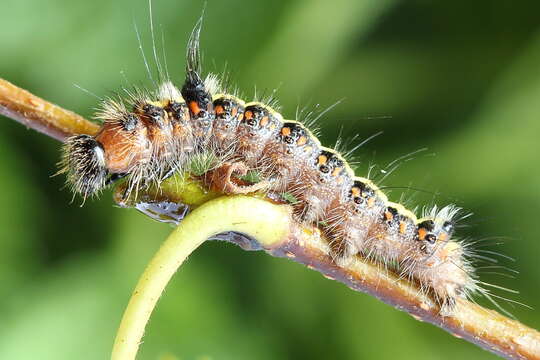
[266, 222]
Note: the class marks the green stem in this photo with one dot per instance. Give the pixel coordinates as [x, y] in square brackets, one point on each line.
[266, 222]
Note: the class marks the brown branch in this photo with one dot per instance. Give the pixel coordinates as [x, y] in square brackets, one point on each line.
[486, 328]
[41, 115]
[483, 327]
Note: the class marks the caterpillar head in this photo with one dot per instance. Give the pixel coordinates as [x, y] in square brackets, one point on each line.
[84, 163]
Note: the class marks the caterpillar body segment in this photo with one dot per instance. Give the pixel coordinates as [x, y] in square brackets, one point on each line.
[196, 92]
[199, 103]
[150, 136]
[288, 155]
[392, 234]
[229, 111]
[326, 179]
[183, 140]
[439, 263]
[160, 135]
[349, 222]
[126, 143]
[259, 124]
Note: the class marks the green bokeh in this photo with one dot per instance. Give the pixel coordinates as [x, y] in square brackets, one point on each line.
[460, 78]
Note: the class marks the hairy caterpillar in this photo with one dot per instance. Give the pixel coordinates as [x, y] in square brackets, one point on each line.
[150, 135]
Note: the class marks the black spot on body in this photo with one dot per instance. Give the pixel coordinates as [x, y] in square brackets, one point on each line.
[448, 227]
[431, 238]
[227, 106]
[429, 225]
[154, 113]
[195, 91]
[177, 110]
[365, 190]
[129, 122]
[392, 211]
[258, 113]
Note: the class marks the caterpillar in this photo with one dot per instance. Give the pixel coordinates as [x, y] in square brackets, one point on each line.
[148, 136]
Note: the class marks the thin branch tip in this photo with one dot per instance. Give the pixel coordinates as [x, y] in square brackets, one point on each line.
[40, 115]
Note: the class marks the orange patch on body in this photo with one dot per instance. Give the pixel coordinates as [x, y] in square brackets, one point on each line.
[194, 108]
[402, 227]
[117, 144]
[286, 131]
[301, 140]
[422, 233]
[321, 160]
[219, 110]
[248, 115]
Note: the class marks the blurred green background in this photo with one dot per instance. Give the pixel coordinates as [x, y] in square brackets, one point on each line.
[460, 78]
